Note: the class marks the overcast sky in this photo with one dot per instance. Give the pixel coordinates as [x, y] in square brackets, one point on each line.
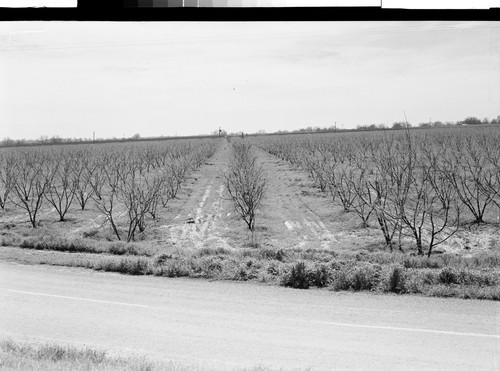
[117, 79]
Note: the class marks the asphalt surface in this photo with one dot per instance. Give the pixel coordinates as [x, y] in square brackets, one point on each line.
[228, 324]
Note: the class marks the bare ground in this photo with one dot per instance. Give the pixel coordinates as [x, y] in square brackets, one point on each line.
[200, 217]
[296, 214]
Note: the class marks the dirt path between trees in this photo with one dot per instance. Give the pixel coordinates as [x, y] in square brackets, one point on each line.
[294, 213]
[201, 219]
[292, 216]
[298, 214]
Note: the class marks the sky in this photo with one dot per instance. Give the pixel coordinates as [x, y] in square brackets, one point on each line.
[70, 79]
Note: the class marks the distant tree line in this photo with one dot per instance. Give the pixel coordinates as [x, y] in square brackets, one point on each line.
[402, 125]
[46, 140]
[395, 126]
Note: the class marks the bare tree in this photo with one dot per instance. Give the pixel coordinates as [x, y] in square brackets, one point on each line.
[389, 224]
[61, 185]
[178, 169]
[465, 169]
[491, 177]
[246, 183]
[340, 185]
[317, 165]
[491, 184]
[97, 178]
[105, 185]
[30, 183]
[392, 164]
[138, 193]
[7, 163]
[363, 202]
[166, 187]
[429, 211]
[84, 169]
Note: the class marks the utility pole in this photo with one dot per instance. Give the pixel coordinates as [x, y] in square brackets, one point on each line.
[219, 131]
[93, 137]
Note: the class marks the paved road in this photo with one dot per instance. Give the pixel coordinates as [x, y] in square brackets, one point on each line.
[228, 324]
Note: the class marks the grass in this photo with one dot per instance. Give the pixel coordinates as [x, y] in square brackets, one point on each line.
[79, 245]
[478, 261]
[476, 277]
[16, 355]
[28, 356]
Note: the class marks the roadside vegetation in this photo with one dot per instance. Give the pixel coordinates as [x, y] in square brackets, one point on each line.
[15, 355]
[444, 275]
[28, 356]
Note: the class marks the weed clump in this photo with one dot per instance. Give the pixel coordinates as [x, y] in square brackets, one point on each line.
[365, 278]
[297, 277]
[162, 258]
[53, 353]
[122, 248]
[396, 280]
[172, 268]
[448, 276]
[356, 277]
[93, 233]
[272, 254]
[302, 275]
[206, 266]
[320, 275]
[132, 266]
[210, 251]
